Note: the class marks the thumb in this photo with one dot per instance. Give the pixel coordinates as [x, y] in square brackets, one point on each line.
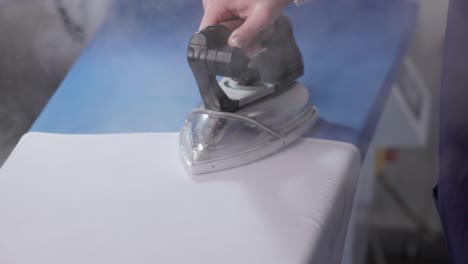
[255, 23]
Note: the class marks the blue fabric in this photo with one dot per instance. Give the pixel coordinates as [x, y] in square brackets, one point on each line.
[451, 195]
[134, 76]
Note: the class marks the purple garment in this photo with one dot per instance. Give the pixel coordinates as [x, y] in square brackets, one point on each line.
[451, 195]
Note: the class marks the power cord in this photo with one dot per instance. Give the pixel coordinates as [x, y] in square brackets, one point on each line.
[423, 228]
[73, 29]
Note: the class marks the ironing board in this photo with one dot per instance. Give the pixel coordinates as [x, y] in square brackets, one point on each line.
[134, 74]
[97, 180]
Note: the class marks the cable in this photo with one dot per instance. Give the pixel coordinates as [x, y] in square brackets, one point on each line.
[423, 227]
[236, 117]
[75, 31]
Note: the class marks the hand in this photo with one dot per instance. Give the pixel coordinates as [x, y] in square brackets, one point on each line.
[258, 15]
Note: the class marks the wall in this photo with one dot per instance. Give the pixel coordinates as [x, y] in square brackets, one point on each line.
[415, 172]
[36, 51]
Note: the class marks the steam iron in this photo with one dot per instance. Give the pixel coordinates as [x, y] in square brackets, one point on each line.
[255, 110]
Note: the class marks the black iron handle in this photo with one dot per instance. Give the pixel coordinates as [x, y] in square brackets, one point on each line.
[210, 56]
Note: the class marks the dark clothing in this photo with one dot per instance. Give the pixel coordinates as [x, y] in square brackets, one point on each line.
[451, 195]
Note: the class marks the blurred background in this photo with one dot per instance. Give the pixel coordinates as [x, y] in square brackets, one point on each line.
[396, 219]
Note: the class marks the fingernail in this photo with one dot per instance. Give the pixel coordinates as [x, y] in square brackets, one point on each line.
[237, 42]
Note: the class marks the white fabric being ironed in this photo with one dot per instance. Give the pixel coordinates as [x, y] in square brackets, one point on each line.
[127, 199]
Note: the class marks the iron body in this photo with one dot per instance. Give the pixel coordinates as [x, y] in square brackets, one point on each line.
[258, 107]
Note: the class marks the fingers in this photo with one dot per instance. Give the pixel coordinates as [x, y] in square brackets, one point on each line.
[260, 19]
[213, 16]
[233, 24]
[208, 19]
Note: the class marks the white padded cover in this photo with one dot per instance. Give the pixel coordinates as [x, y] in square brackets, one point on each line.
[126, 199]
